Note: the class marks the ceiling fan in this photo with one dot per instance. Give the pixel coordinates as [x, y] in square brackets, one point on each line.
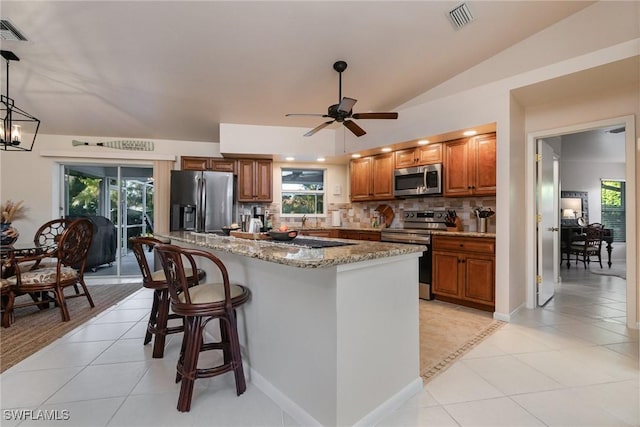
[342, 111]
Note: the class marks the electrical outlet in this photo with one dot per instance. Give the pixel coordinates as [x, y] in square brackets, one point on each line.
[266, 213]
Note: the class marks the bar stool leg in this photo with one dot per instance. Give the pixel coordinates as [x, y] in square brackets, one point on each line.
[151, 324]
[236, 357]
[161, 324]
[193, 338]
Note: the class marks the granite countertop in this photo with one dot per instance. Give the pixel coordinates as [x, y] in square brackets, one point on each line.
[287, 254]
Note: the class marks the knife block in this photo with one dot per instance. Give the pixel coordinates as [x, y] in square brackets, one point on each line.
[457, 227]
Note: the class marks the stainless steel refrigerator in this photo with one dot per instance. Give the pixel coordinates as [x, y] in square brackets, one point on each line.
[201, 201]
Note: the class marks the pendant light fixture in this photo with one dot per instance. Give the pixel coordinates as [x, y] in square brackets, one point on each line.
[19, 128]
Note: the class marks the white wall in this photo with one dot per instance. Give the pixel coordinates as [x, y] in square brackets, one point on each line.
[33, 176]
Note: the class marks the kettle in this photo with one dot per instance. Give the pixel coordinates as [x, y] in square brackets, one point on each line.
[255, 225]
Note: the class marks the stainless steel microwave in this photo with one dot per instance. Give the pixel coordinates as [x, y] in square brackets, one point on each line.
[418, 181]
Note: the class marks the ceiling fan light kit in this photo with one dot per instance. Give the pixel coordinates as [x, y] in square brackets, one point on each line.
[342, 112]
[15, 121]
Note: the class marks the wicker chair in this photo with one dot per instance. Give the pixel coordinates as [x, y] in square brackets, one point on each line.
[159, 317]
[199, 305]
[71, 249]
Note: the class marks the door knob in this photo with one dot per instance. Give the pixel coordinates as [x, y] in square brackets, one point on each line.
[554, 229]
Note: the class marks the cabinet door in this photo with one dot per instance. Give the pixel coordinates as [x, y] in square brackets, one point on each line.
[361, 179]
[446, 275]
[226, 165]
[194, 163]
[479, 284]
[456, 169]
[382, 177]
[484, 175]
[245, 180]
[405, 158]
[263, 180]
[429, 154]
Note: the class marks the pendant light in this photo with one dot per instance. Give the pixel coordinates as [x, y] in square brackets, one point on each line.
[17, 125]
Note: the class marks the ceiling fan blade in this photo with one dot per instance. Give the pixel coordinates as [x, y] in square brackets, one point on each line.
[346, 104]
[353, 127]
[306, 114]
[317, 128]
[375, 116]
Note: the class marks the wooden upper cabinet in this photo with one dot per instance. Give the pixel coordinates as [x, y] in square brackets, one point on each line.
[255, 180]
[372, 178]
[470, 166]
[419, 156]
[383, 177]
[485, 165]
[194, 163]
[217, 164]
[361, 179]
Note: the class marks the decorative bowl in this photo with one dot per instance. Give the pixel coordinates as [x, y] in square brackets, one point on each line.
[283, 235]
[228, 230]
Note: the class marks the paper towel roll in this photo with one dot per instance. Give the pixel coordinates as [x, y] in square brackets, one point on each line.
[335, 218]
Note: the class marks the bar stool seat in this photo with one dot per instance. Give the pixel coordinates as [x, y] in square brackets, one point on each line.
[157, 326]
[199, 305]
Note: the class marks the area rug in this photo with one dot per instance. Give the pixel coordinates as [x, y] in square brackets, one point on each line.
[617, 269]
[34, 329]
[447, 332]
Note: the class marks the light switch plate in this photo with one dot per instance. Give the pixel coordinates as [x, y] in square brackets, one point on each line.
[337, 190]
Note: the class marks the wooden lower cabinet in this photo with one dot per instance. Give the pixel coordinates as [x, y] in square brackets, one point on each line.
[464, 271]
[372, 236]
[319, 233]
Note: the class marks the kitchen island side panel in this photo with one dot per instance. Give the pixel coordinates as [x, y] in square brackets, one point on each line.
[320, 337]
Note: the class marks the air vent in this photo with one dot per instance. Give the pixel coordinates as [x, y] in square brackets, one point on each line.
[8, 31]
[460, 15]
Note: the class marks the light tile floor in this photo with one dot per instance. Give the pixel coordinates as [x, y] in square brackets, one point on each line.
[572, 363]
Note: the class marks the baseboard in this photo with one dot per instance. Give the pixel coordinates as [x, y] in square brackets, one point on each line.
[304, 418]
[391, 404]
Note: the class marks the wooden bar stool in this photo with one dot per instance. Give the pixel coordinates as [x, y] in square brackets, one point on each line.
[160, 316]
[199, 305]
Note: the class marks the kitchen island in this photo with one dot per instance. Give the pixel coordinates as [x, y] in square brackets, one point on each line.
[329, 334]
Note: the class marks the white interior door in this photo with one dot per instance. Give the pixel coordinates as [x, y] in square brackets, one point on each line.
[548, 230]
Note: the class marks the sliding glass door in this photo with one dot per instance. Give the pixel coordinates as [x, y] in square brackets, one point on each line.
[119, 201]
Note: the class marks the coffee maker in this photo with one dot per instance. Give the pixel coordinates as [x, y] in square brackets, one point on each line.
[258, 213]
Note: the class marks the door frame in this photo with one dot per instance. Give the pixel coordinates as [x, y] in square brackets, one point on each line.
[631, 214]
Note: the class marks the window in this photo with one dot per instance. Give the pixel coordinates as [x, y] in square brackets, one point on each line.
[302, 191]
[612, 195]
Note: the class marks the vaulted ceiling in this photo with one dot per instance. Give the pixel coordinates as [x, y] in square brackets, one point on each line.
[175, 69]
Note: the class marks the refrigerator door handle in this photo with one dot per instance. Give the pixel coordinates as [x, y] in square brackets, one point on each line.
[203, 204]
[198, 221]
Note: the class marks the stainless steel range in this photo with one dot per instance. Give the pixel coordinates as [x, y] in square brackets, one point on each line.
[416, 229]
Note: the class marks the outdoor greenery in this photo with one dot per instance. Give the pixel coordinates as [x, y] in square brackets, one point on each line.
[302, 191]
[84, 195]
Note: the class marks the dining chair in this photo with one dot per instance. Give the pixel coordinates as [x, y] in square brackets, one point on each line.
[50, 282]
[588, 245]
[200, 304]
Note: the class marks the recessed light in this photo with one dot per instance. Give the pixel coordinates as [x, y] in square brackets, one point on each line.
[470, 133]
[320, 159]
[356, 156]
[386, 149]
[289, 159]
[423, 142]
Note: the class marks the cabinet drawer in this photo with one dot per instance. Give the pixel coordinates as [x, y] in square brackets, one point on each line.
[464, 244]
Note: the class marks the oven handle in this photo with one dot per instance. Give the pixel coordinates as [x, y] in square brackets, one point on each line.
[407, 239]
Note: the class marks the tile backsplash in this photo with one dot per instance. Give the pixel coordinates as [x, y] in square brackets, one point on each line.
[360, 214]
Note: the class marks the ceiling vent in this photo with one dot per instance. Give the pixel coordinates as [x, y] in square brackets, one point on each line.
[460, 15]
[8, 31]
